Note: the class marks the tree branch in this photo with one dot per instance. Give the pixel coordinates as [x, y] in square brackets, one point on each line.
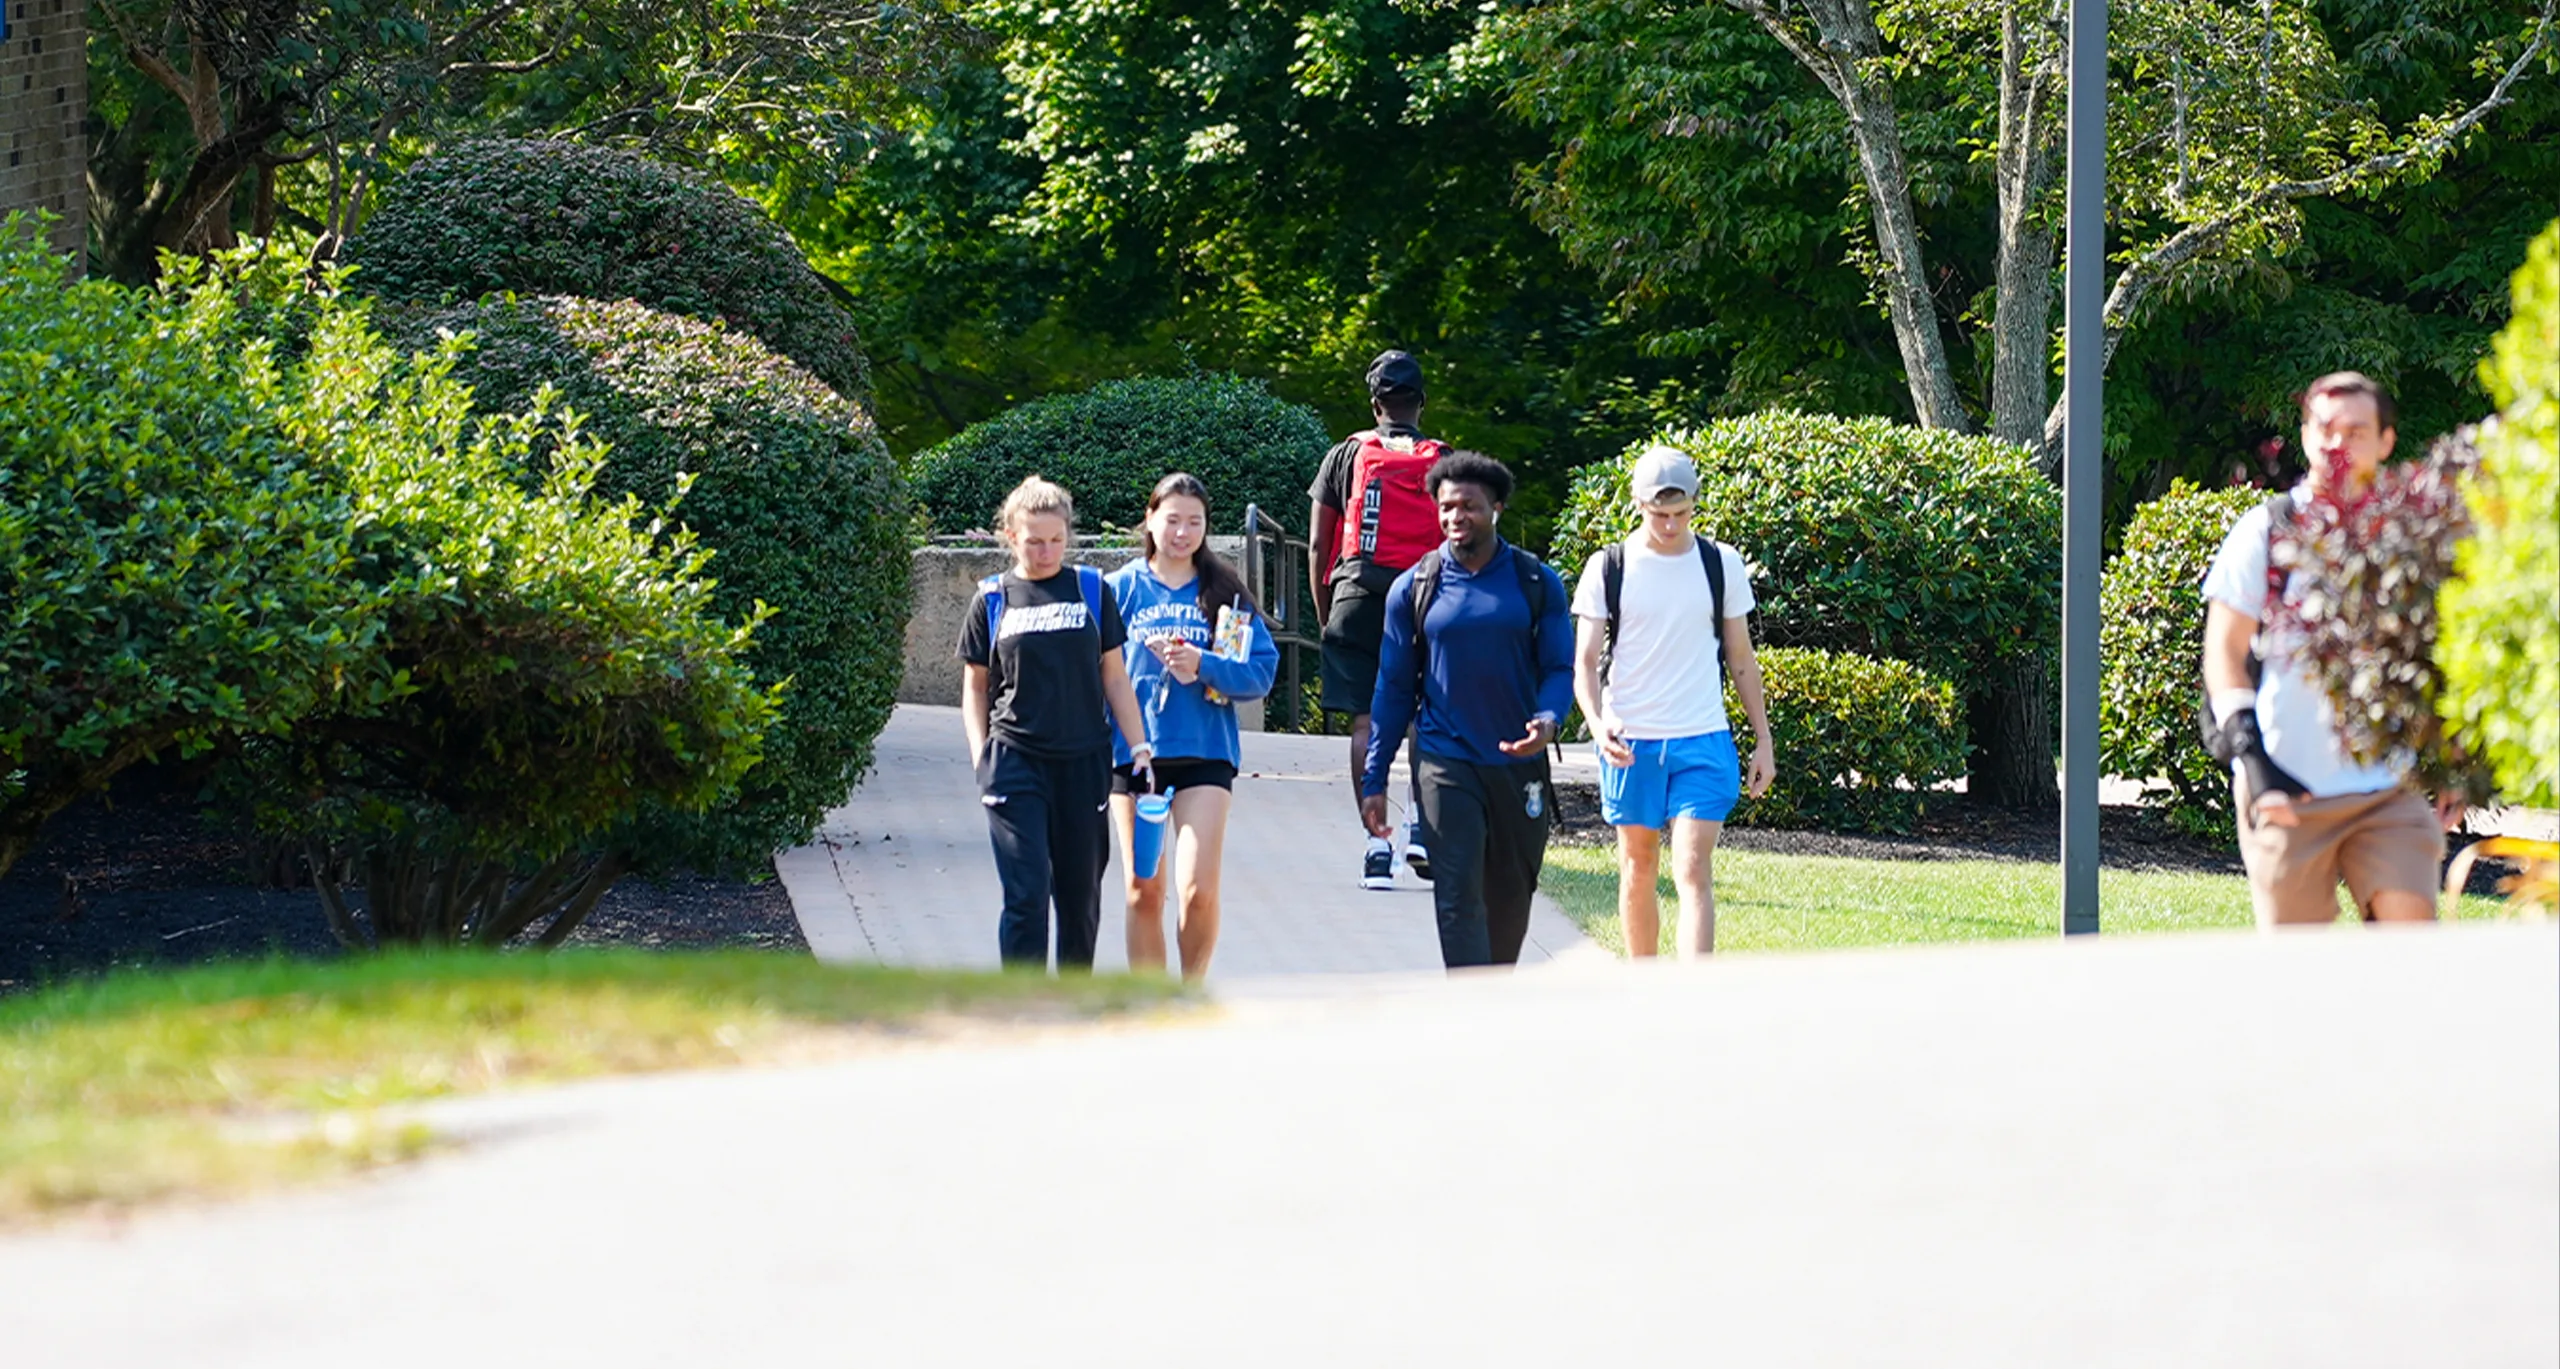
[2154, 268]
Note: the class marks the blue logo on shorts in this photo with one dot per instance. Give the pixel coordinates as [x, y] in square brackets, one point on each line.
[1534, 797]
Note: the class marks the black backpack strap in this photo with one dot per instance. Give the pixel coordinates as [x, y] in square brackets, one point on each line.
[1426, 587]
[1533, 592]
[1613, 590]
[1713, 558]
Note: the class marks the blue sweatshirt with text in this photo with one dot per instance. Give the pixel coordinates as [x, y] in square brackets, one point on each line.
[1180, 719]
[1486, 680]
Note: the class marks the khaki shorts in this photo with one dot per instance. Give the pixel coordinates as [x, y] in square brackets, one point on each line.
[2389, 839]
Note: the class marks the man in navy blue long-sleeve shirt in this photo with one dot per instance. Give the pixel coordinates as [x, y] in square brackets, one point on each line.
[1483, 672]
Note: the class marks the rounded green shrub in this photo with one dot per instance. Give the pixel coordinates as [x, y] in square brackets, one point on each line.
[2150, 647]
[554, 218]
[788, 487]
[179, 572]
[2500, 648]
[1865, 536]
[1860, 741]
[551, 665]
[1110, 444]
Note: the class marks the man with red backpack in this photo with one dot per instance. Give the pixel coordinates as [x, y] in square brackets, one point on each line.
[1373, 519]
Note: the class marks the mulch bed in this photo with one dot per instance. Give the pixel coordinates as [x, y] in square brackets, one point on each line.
[2129, 838]
[139, 876]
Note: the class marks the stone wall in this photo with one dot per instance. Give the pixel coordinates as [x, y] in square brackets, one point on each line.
[44, 96]
[946, 587]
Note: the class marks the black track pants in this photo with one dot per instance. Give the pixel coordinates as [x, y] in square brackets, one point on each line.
[1048, 820]
[1487, 828]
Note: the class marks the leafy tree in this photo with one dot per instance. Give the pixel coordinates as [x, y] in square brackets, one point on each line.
[180, 572]
[2500, 648]
[310, 105]
[1136, 187]
[2223, 122]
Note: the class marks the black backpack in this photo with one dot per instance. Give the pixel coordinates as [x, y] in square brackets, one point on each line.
[1613, 582]
[2216, 743]
[1426, 587]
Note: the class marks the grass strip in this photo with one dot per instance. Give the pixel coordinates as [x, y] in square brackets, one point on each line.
[217, 1079]
[1771, 902]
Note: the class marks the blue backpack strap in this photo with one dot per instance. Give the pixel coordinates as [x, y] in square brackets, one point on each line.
[1089, 583]
[991, 598]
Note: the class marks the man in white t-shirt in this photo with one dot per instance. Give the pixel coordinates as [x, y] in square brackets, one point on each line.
[1650, 677]
[2309, 814]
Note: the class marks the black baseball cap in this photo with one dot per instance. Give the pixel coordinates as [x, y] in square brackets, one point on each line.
[1395, 373]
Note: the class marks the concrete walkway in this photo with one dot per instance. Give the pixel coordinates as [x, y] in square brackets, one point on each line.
[2330, 1150]
[901, 874]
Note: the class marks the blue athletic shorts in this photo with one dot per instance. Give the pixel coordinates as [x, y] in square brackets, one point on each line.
[1678, 777]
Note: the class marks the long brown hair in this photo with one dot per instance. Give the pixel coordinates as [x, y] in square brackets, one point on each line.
[1220, 586]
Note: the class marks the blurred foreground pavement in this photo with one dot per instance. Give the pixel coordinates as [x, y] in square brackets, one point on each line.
[2321, 1150]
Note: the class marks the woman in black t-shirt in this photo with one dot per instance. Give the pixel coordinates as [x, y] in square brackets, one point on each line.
[1041, 664]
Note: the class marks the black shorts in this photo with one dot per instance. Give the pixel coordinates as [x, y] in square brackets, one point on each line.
[1176, 772]
[1351, 636]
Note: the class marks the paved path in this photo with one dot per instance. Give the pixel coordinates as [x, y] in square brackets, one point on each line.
[901, 873]
[2330, 1150]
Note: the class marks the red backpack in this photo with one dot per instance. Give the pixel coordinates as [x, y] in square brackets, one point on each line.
[1398, 519]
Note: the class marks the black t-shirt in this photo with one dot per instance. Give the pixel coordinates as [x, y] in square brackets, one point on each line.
[1332, 487]
[1044, 679]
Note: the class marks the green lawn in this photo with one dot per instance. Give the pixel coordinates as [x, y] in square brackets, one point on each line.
[222, 1078]
[1781, 902]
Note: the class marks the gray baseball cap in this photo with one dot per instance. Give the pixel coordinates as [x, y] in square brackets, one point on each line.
[1661, 470]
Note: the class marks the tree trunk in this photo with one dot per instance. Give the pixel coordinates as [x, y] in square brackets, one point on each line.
[1846, 53]
[2022, 312]
[1873, 126]
[2010, 714]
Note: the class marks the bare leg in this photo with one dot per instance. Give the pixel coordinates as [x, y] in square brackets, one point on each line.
[1693, 873]
[2399, 905]
[1199, 836]
[1639, 911]
[1146, 896]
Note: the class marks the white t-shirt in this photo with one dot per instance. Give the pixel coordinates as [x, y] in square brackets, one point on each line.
[1664, 681]
[2294, 716]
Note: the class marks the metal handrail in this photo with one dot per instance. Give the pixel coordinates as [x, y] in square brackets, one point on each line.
[1275, 573]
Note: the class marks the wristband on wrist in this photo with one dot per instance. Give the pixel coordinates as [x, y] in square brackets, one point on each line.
[1142, 753]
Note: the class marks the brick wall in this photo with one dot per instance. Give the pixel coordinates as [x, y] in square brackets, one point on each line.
[44, 95]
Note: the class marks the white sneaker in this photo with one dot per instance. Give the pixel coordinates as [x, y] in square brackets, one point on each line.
[1378, 868]
[1416, 858]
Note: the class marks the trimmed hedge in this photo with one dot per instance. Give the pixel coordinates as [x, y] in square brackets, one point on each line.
[551, 666]
[2500, 647]
[554, 218]
[2151, 642]
[179, 572]
[1860, 741]
[1110, 444]
[1866, 536]
[785, 483]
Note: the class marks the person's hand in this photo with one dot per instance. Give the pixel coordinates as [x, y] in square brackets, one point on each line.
[1542, 730]
[2276, 808]
[2450, 810]
[1764, 768]
[1373, 815]
[1613, 742]
[1181, 657]
[1142, 767]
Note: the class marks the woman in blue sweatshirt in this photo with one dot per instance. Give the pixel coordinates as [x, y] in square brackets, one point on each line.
[1171, 600]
